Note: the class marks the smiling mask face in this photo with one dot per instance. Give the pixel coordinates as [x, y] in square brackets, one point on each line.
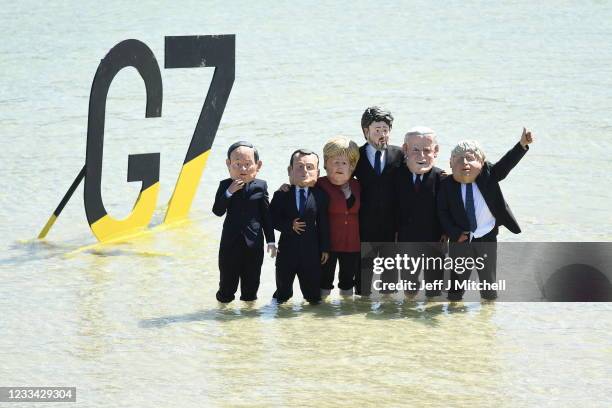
[420, 151]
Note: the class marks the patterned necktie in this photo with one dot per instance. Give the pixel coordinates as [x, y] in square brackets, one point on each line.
[302, 201]
[417, 183]
[377, 163]
[469, 206]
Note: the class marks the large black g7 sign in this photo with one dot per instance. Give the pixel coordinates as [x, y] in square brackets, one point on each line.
[180, 52]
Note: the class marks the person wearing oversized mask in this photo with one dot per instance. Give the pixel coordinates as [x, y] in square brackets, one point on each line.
[416, 187]
[300, 214]
[375, 171]
[244, 199]
[471, 207]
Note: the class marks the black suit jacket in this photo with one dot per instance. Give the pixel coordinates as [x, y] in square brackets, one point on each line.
[247, 213]
[416, 213]
[451, 209]
[306, 246]
[377, 211]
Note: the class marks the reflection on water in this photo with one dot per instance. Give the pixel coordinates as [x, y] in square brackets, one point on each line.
[425, 314]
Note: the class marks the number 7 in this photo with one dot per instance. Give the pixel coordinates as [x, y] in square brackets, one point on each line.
[194, 52]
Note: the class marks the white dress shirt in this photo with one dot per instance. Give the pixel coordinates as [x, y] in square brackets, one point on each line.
[485, 221]
[371, 154]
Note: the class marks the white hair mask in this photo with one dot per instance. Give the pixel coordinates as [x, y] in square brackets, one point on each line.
[465, 146]
[421, 131]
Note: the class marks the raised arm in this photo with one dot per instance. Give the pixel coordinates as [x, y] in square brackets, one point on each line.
[500, 170]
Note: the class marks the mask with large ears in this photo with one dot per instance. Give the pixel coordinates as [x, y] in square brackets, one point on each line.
[242, 165]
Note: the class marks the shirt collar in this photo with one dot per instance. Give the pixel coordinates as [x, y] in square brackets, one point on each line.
[372, 149]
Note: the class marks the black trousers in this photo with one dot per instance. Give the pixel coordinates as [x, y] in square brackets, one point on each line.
[364, 286]
[478, 247]
[238, 262]
[433, 270]
[309, 277]
[348, 274]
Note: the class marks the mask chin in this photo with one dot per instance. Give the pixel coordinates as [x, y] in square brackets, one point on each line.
[418, 168]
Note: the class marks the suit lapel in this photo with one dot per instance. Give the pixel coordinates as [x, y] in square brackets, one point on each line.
[310, 200]
[388, 161]
[367, 165]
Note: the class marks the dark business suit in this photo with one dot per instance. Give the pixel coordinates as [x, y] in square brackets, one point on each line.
[241, 248]
[454, 219]
[417, 220]
[300, 254]
[377, 212]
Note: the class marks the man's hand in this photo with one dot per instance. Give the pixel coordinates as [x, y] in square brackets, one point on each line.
[298, 226]
[464, 237]
[235, 186]
[526, 138]
[324, 257]
[272, 249]
[284, 188]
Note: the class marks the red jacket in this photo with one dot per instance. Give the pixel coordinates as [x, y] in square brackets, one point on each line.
[343, 222]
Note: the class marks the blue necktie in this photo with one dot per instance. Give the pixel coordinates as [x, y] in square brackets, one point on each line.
[469, 206]
[377, 163]
[302, 201]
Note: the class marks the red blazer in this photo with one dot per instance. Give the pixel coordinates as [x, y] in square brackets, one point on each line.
[343, 222]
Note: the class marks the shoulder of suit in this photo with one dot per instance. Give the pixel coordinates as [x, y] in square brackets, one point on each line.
[448, 180]
[486, 169]
[227, 181]
[438, 172]
[396, 153]
[260, 183]
[281, 193]
[322, 180]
